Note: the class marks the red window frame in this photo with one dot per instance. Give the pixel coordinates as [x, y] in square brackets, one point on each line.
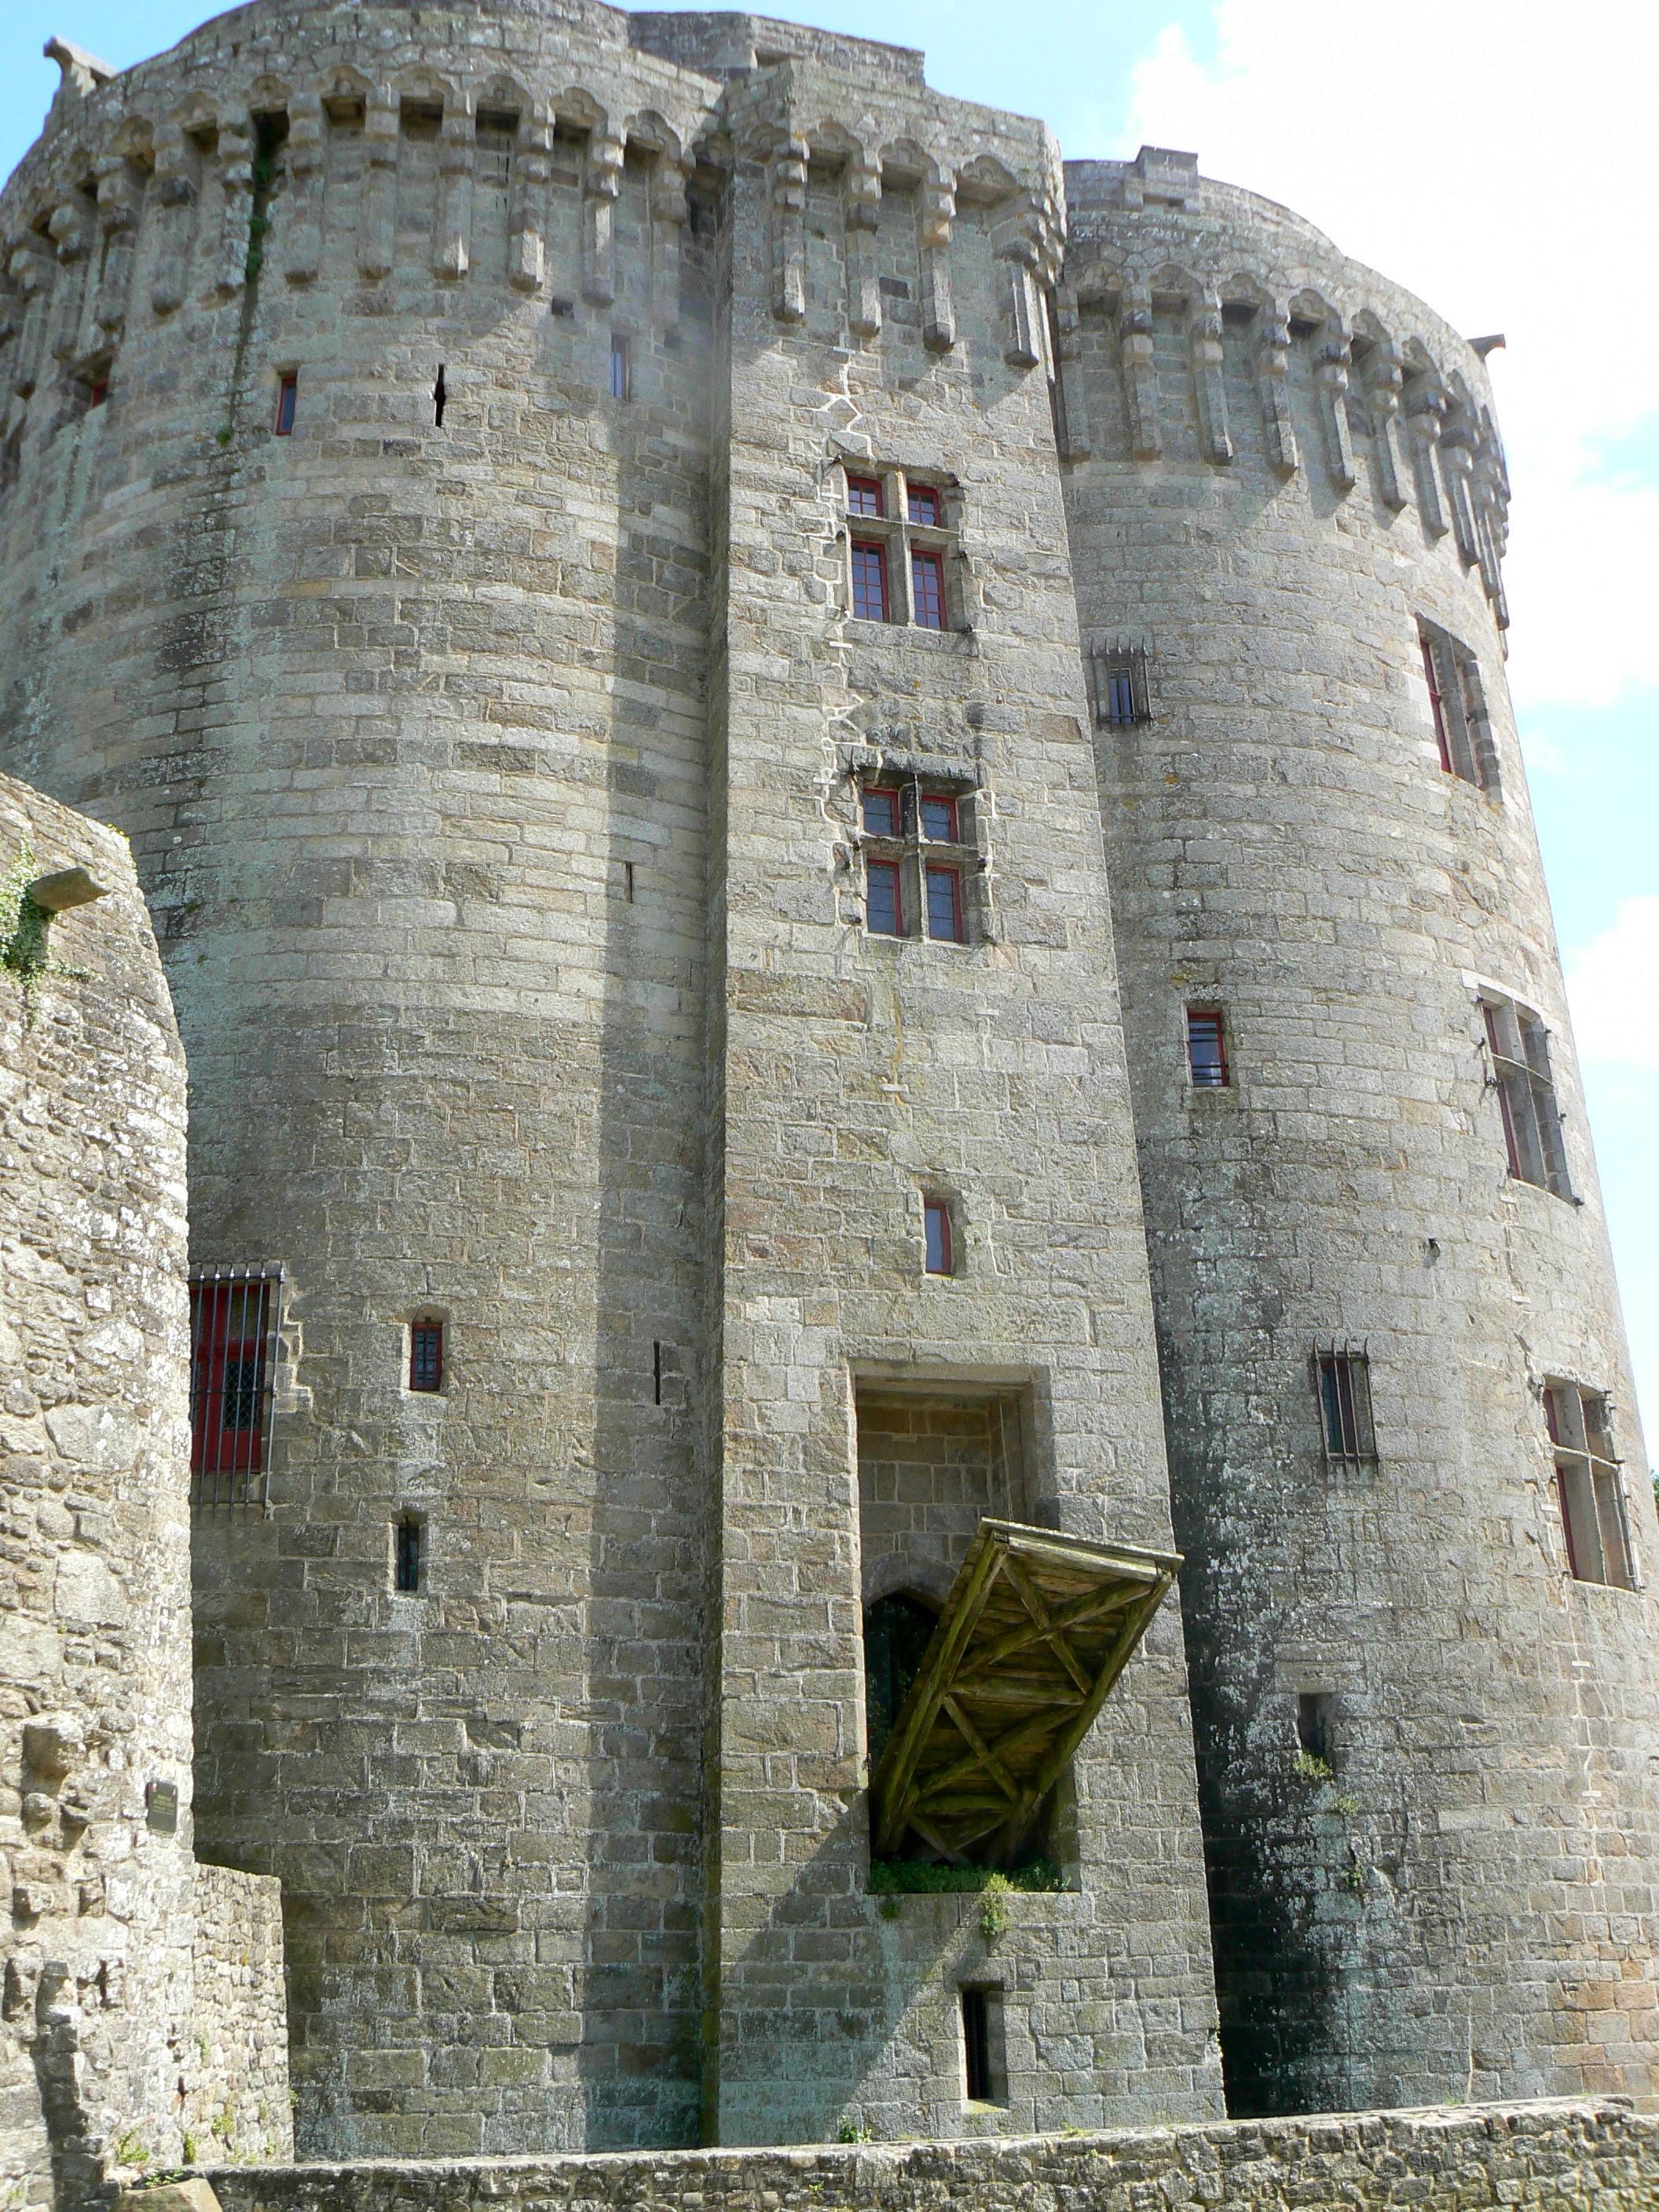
[1206, 1023]
[944, 884]
[865, 497]
[426, 1354]
[97, 393]
[947, 836]
[937, 1244]
[1438, 704]
[922, 506]
[888, 794]
[233, 1319]
[886, 872]
[871, 599]
[287, 404]
[926, 587]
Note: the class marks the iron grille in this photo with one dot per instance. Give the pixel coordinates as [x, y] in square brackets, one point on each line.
[1342, 1378]
[1121, 695]
[234, 1316]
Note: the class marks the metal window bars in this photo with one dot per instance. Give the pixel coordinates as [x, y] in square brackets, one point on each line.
[1589, 1487]
[1342, 1381]
[236, 1314]
[1121, 693]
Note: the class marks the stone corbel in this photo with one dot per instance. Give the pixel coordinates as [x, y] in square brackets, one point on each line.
[526, 241]
[451, 243]
[303, 248]
[378, 189]
[26, 272]
[1457, 465]
[1273, 352]
[1384, 380]
[69, 236]
[1331, 385]
[1134, 325]
[1204, 346]
[601, 189]
[786, 181]
[1425, 407]
[861, 202]
[236, 178]
[117, 223]
[669, 177]
[173, 193]
[936, 204]
[1075, 444]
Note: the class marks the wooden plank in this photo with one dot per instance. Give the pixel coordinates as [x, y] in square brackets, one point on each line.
[998, 1771]
[916, 1714]
[1040, 1613]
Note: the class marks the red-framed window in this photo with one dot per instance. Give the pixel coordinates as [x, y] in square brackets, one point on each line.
[1437, 706]
[927, 588]
[288, 401]
[1207, 1049]
[922, 502]
[938, 818]
[426, 1353]
[883, 811]
[234, 1318]
[883, 900]
[937, 1237]
[944, 904]
[98, 392]
[864, 495]
[870, 581]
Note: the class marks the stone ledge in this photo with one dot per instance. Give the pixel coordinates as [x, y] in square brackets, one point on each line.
[1595, 2155]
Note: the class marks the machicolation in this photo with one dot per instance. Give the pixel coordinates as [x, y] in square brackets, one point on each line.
[898, 1404]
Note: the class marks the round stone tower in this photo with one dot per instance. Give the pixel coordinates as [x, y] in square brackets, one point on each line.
[1407, 1474]
[432, 442]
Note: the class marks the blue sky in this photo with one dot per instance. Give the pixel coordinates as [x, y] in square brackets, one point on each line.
[1510, 174]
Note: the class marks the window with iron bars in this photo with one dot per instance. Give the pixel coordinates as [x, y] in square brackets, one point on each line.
[1589, 1487]
[1120, 694]
[1343, 1379]
[236, 1314]
[1518, 1046]
[1457, 705]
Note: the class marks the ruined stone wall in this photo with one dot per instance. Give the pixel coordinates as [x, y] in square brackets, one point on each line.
[113, 2048]
[1599, 2157]
[1281, 463]
[244, 2110]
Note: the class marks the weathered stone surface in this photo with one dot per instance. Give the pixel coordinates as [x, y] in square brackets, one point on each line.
[1594, 2157]
[116, 2045]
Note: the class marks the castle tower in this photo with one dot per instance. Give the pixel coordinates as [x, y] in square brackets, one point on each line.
[551, 545]
[1407, 1474]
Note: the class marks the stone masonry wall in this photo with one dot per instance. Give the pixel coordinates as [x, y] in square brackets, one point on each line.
[1599, 2157]
[241, 2019]
[113, 2048]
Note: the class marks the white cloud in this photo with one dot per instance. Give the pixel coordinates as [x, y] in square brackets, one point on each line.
[1497, 156]
[1613, 987]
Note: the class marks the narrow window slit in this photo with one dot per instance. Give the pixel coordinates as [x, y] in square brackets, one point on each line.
[407, 1556]
[440, 397]
[656, 1371]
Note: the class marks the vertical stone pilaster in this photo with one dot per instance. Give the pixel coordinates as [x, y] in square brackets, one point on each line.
[1068, 369]
[1331, 385]
[1426, 409]
[526, 244]
[861, 209]
[451, 245]
[236, 181]
[1135, 347]
[173, 195]
[785, 178]
[1383, 383]
[668, 218]
[936, 212]
[1204, 345]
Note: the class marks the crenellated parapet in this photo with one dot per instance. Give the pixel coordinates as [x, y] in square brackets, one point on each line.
[1189, 297]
